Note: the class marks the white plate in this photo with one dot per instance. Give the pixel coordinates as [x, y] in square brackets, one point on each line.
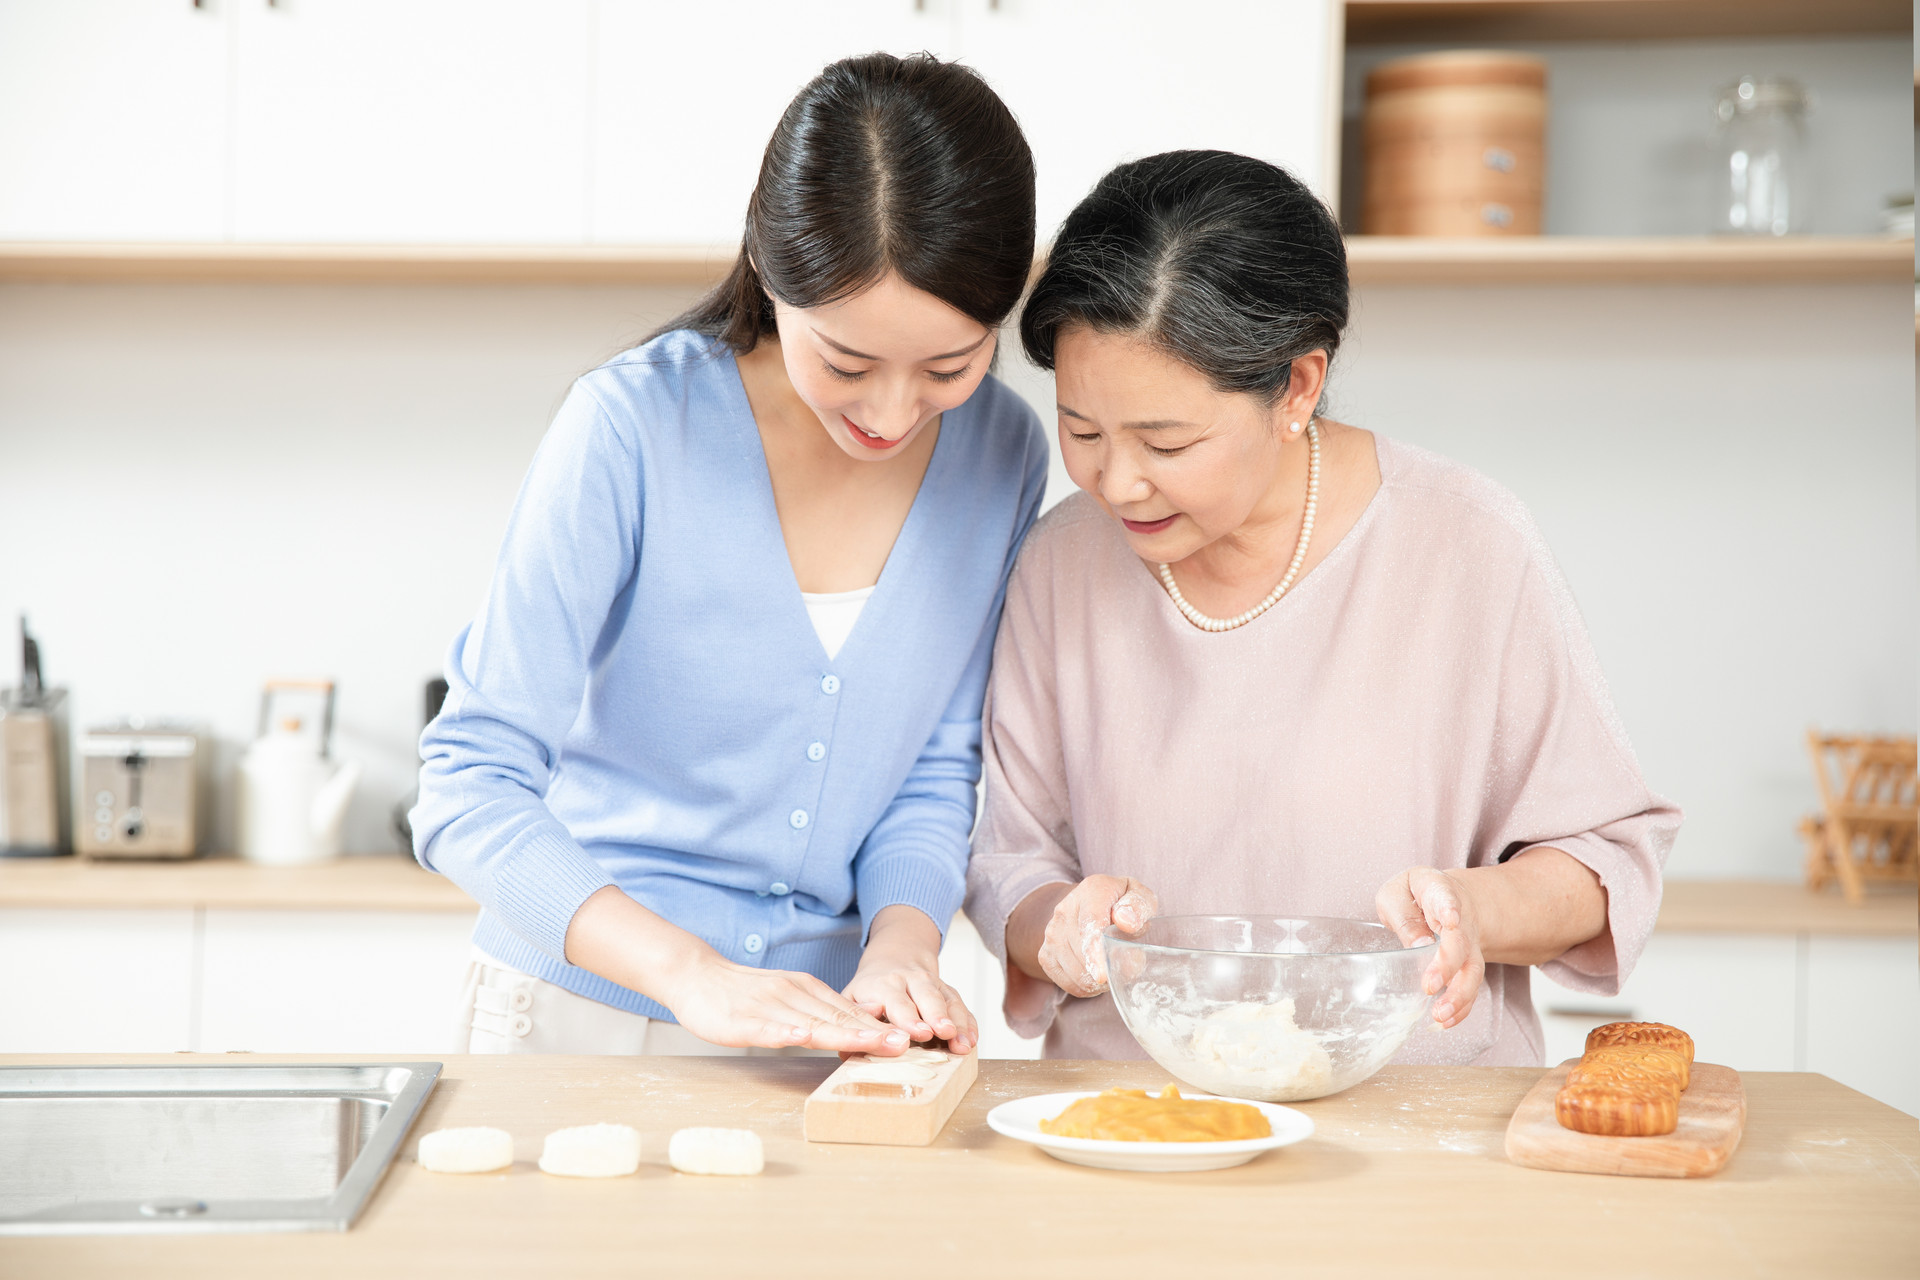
[1020, 1119]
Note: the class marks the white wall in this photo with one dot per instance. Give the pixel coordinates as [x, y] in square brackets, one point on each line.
[203, 487]
[1728, 479]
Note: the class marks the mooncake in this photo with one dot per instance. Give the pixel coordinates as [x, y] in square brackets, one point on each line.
[1641, 1033]
[1651, 1057]
[1617, 1110]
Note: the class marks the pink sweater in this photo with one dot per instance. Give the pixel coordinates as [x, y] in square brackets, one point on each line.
[1426, 695]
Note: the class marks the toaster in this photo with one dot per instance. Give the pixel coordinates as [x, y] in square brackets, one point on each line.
[138, 792]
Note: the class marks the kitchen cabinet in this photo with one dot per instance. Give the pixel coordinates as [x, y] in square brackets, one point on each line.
[1861, 1009]
[604, 121]
[97, 981]
[192, 978]
[685, 97]
[1093, 85]
[113, 120]
[331, 981]
[429, 120]
[678, 140]
[1848, 1007]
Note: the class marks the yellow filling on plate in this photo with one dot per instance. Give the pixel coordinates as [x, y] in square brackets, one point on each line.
[1134, 1115]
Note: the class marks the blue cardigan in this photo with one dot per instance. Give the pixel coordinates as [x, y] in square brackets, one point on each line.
[642, 700]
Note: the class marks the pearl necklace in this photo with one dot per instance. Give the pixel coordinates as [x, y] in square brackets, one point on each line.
[1205, 623]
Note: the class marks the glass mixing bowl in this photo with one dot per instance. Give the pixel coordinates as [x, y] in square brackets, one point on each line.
[1279, 1009]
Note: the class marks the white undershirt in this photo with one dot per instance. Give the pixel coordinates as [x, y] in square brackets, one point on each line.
[833, 614]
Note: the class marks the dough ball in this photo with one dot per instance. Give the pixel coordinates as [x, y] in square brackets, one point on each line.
[475, 1150]
[592, 1151]
[724, 1151]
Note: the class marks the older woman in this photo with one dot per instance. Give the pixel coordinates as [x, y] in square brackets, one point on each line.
[1271, 663]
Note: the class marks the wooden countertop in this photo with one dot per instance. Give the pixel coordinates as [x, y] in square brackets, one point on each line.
[370, 883]
[1404, 1175]
[395, 883]
[1773, 906]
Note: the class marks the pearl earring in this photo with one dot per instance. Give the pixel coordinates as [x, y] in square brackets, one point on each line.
[1295, 428]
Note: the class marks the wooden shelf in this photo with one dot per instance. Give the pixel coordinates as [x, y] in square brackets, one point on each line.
[1374, 259]
[1468, 21]
[1511, 260]
[215, 263]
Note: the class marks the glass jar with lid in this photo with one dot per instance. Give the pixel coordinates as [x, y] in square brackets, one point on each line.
[1762, 186]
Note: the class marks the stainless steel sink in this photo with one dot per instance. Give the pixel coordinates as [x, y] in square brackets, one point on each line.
[86, 1150]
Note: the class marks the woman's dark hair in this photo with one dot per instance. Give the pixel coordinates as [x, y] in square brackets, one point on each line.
[1227, 263]
[909, 165]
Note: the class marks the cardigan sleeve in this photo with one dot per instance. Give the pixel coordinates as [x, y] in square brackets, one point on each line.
[1564, 776]
[516, 677]
[916, 854]
[1025, 840]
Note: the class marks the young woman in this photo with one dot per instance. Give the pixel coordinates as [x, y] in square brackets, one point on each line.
[1272, 664]
[709, 754]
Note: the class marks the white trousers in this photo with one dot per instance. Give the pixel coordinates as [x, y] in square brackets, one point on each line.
[503, 1010]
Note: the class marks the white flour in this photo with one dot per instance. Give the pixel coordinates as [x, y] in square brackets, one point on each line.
[1247, 1050]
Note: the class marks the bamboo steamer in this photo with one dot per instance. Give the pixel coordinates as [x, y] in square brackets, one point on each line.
[1456, 145]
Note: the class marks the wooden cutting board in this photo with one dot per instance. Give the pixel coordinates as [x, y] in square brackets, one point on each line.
[1713, 1113]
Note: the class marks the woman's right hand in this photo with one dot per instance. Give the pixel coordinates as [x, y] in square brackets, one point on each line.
[721, 1002]
[731, 1004]
[1070, 953]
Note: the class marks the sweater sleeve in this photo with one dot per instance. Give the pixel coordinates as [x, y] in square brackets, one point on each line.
[1025, 841]
[916, 854]
[516, 678]
[1564, 776]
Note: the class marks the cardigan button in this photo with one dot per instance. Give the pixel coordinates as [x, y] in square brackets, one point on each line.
[829, 684]
[753, 942]
[780, 888]
[798, 819]
[816, 751]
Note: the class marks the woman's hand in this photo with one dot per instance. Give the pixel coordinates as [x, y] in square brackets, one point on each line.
[721, 1002]
[1421, 904]
[899, 979]
[1070, 954]
[731, 1004]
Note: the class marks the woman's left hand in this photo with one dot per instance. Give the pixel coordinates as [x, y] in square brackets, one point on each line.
[899, 979]
[1421, 904]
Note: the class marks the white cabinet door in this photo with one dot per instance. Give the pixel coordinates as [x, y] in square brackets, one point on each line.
[332, 981]
[1095, 82]
[96, 981]
[1863, 1016]
[113, 120]
[411, 120]
[686, 96]
[1735, 994]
